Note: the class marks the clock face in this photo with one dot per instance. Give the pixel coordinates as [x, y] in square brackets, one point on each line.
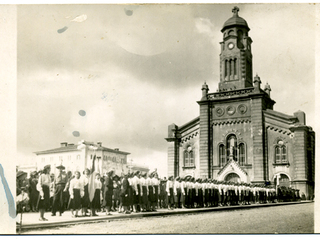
[230, 46]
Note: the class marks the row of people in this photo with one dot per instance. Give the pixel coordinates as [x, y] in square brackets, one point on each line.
[139, 192]
[189, 192]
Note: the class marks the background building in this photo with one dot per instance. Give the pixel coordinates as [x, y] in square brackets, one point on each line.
[80, 156]
[238, 136]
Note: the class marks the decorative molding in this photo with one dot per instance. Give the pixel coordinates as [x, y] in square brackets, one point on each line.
[279, 130]
[287, 164]
[219, 111]
[231, 110]
[232, 167]
[242, 108]
[247, 91]
[188, 167]
[190, 136]
[228, 121]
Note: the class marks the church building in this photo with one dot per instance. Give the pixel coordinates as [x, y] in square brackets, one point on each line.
[238, 136]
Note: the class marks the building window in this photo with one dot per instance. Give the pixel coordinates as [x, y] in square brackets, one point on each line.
[51, 159]
[43, 160]
[242, 154]
[78, 157]
[222, 155]
[188, 157]
[280, 153]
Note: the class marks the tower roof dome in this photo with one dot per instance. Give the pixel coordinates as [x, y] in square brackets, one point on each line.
[235, 20]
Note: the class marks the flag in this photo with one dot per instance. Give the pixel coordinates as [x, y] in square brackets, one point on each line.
[91, 185]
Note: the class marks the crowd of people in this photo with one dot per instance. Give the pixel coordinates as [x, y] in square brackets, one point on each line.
[88, 193]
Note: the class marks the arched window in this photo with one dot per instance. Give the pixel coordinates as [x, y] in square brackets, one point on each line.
[222, 155]
[280, 152]
[232, 147]
[226, 69]
[242, 157]
[188, 157]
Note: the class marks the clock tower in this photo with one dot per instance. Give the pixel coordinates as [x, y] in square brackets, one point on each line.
[235, 56]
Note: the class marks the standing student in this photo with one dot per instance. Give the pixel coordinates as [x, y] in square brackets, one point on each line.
[44, 192]
[136, 191]
[76, 191]
[95, 203]
[130, 192]
[59, 185]
[177, 192]
[170, 194]
[144, 192]
[34, 194]
[116, 193]
[156, 184]
[124, 195]
[108, 191]
[150, 192]
[85, 201]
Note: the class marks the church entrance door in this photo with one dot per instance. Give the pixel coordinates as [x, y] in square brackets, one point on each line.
[232, 177]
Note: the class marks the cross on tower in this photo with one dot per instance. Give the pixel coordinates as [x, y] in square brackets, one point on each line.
[235, 10]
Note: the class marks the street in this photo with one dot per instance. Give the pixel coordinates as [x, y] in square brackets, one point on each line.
[276, 219]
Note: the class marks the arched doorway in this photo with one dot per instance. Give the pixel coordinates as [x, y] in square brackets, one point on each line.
[283, 180]
[232, 177]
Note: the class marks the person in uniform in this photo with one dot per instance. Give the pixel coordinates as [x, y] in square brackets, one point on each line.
[66, 192]
[150, 192]
[144, 192]
[163, 194]
[95, 204]
[51, 191]
[183, 186]
[76, 191]
[156, 185]
[21, 191]
[34, 194]
[136, 191]
[116, 206]
[108, 192]
[170, 194]
[193, 193]
[177, 192]
[59, 186]
[85, 201]
[124, 194]
[44, 192]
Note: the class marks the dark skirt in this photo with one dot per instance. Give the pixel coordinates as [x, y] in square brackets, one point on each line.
[75, 203]
[130, 195]
[171, 197]
[108, 197]
[96, 200]
[45, 202]
[156, 195]
[85, 201]
[138, 197]
[151, 194]
[135, 197]
[144, 195]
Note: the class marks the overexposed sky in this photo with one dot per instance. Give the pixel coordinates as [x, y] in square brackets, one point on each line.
[135, 69]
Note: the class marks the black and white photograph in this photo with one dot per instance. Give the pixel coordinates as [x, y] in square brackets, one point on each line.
[159, 118]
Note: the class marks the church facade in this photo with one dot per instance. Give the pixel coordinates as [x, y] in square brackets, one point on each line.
[238, 136]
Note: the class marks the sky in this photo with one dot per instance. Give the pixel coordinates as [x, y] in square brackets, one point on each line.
[135, 69]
